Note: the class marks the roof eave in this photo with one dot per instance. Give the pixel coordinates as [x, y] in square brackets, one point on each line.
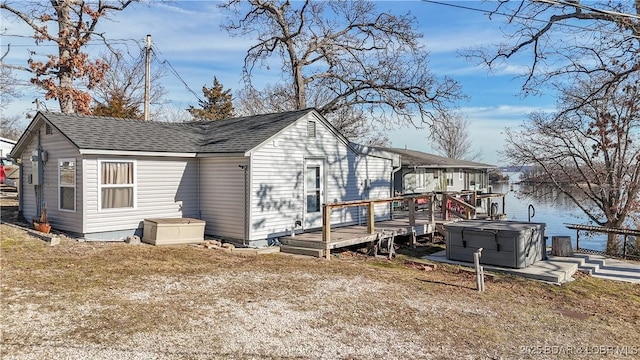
[136, 153]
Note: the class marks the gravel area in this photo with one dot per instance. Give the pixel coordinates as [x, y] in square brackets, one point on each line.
[117, 301]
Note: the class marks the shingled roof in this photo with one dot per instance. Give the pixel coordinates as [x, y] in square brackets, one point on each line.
[234, 135]
[421, 159]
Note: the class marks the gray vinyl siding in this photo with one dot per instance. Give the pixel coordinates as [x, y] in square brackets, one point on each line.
[277, 178]
[29, 206]
[57, 147]
[165, 188]
[378, 171]
[222, 196]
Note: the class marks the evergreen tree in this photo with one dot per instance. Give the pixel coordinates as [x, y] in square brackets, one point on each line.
[217, 104]
[118, 105]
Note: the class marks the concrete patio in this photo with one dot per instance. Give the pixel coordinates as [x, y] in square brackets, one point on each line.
[559, 270]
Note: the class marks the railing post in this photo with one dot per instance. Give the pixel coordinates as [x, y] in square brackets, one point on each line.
[443, 207]
[432, 205]
[326, 230]
[624, 248]
[412, 211]
[371, 218]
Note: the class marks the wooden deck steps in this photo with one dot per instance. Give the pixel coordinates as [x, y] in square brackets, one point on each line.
[298, 250]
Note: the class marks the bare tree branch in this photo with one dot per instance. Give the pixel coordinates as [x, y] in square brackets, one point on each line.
[75, 22]
[344, 54]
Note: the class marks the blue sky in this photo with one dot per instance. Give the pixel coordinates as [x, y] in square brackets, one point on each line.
[188, 36]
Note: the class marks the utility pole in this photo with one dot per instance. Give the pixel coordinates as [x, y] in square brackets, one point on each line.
[147, 77]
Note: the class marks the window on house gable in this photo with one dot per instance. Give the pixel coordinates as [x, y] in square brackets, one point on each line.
[311, 129]
[67, 184]
[117, 184]
[48, 129]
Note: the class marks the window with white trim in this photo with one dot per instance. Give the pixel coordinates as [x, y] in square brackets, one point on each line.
[460, 174]
[67, 184]
[117, 184]
[449, 179]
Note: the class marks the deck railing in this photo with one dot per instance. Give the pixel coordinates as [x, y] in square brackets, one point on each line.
[458, 207]
[370, 205]
[448, 204]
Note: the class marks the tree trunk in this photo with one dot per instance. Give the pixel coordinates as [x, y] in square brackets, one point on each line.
[613, 248]
[65, 76]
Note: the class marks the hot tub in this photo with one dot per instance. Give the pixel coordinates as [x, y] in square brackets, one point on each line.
[173, 231]
[505, 243]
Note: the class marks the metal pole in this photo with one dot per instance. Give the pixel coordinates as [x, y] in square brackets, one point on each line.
[624, 248]
[147, 77]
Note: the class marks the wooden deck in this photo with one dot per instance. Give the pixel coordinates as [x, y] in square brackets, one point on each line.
[344, 236]
[412, 221]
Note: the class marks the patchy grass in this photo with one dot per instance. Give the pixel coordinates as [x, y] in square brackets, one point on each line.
[105, 300]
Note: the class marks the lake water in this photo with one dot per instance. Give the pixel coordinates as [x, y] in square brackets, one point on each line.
[555, 211]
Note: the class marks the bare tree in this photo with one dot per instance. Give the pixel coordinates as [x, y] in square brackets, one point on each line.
[171, 113]
[451, 138]
[271, 99]
[350, 120]
[11, 127]
[8, 88]
[70, 25]
[343, 54]
[591, 152]
[568, 42]
[121, 91]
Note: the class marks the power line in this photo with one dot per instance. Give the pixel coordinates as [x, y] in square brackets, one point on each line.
[175, 72]
[491, 12]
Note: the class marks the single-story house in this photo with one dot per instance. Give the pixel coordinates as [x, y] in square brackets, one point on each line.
[422, 172]
[252, 179]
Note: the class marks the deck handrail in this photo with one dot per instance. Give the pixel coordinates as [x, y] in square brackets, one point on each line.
[326, 213]
[469, 210]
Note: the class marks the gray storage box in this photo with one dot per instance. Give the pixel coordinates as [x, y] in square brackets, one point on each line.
[504, 243]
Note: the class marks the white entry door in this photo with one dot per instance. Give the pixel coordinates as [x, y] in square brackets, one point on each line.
[314, 193]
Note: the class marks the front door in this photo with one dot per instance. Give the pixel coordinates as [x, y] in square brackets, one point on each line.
[314, 193]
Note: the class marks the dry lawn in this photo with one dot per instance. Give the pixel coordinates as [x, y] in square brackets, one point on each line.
[84, 300]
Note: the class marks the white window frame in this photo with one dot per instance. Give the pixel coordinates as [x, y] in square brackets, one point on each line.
[102, 186]
[75, 184]
[461, 172]
[449, 179]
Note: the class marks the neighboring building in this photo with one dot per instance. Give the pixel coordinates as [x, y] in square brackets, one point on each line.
[252, 179]
[422, 172]
[5, 146]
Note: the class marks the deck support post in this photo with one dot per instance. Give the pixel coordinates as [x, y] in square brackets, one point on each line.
[371, 218]
[326, 230]
[443, 207]
[412, 212]
[432, 207]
